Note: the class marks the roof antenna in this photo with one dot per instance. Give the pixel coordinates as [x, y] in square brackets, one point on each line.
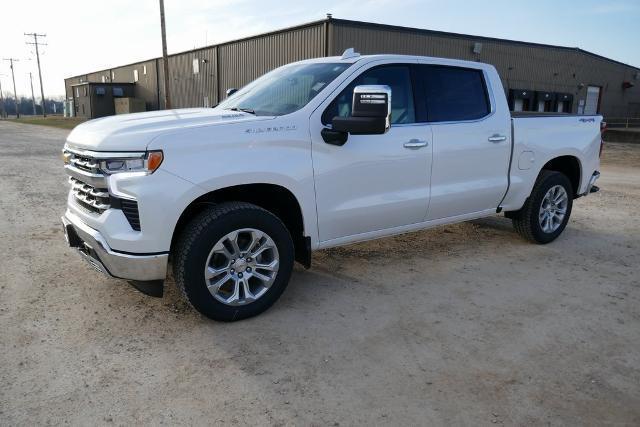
[329, 16]
[350, 53]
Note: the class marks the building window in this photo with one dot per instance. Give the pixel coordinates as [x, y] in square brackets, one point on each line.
[196, 66]
[118, 91]
[144, 70]
[135, 75]
[77, 92]
[85, 91]
[104, 79]
[113, 76]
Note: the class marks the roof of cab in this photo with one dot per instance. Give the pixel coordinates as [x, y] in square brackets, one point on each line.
[355, 57]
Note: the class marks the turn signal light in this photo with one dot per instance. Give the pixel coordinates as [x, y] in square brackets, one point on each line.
[154, 160]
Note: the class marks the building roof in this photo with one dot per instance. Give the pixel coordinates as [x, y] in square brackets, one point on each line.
[472, 37]
[102, 83]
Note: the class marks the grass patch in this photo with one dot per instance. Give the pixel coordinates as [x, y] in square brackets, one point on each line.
[55, 121]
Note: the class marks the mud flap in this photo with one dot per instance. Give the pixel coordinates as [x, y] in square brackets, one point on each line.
[152, 288]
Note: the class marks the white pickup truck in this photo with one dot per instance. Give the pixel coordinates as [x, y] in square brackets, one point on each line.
[315, 154]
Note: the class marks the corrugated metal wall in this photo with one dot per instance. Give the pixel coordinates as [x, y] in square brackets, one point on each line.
[72, 81]
[243, 61]
[521, 66]
[147, 85]
[240, 62]
[234, 64]
[189, 89]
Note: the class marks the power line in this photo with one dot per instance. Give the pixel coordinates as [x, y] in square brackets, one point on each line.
[36, 44]
[15, 92]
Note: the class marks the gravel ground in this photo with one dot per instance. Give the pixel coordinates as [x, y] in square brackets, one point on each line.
[461, 325]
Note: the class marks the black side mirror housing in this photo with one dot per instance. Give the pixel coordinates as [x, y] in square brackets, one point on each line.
[360, 125]
[370, 114]
[334, 137]
[231, 91]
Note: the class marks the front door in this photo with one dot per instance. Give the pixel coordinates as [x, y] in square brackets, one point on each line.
[373, 182]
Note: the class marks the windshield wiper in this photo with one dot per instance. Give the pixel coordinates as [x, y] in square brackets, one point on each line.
[244, 110]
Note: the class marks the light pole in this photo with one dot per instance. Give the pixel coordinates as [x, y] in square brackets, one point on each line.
[33, 97]
[36, 44]
[165, 59]
[3, 113]
[15, 92]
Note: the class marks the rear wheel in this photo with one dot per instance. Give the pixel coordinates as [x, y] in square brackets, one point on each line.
[546, 212]
[233, 261]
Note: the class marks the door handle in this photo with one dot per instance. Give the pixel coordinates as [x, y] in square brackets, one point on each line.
[497, 138]
[414, 144]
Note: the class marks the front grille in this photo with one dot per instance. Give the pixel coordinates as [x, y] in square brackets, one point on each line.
[85, 163]
[89, 188]
[88, 183]
[93, 199]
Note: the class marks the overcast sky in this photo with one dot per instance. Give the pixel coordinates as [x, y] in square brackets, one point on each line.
[89, 35]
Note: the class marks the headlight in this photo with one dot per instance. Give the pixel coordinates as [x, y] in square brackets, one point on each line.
[147, 163]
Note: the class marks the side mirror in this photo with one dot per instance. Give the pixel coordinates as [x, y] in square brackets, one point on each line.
[231, 91]
[370, 112]
[370, 115]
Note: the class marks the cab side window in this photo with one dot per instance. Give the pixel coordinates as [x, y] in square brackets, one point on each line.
[453, 93]
[397, 77]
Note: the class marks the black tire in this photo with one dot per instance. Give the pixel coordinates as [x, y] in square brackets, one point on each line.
[526, 221]
[196, 242]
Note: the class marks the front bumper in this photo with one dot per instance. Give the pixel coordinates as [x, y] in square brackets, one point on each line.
[95, 250]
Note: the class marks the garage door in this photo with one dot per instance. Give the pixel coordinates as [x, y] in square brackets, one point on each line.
[593, 98]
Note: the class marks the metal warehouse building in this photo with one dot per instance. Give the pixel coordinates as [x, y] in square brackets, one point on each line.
[536, 77]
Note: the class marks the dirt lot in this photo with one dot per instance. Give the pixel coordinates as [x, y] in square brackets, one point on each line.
[461, 325]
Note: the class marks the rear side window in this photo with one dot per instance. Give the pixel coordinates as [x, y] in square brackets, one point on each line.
[453, 94]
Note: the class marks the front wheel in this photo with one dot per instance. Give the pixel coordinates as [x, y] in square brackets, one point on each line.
[546, 212]
[233, 261]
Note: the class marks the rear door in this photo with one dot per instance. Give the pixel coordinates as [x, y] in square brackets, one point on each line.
[471, 143]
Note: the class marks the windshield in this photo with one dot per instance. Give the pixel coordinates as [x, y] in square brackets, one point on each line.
[283, 90]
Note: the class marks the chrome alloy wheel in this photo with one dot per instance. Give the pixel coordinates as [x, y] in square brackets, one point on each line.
[553, 209]
[241, 266]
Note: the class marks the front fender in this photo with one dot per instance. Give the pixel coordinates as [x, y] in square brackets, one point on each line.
[213, 158]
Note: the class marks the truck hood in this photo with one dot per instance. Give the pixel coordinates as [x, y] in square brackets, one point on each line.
[133, 132]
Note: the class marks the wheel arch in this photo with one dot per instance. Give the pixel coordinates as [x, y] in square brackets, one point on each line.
[274, 198]
[570, 166]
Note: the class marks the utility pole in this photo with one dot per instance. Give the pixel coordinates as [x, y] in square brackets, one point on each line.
[165, 59]
[3, 113]
[35, 43]
[15, 92]
[33, 97]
